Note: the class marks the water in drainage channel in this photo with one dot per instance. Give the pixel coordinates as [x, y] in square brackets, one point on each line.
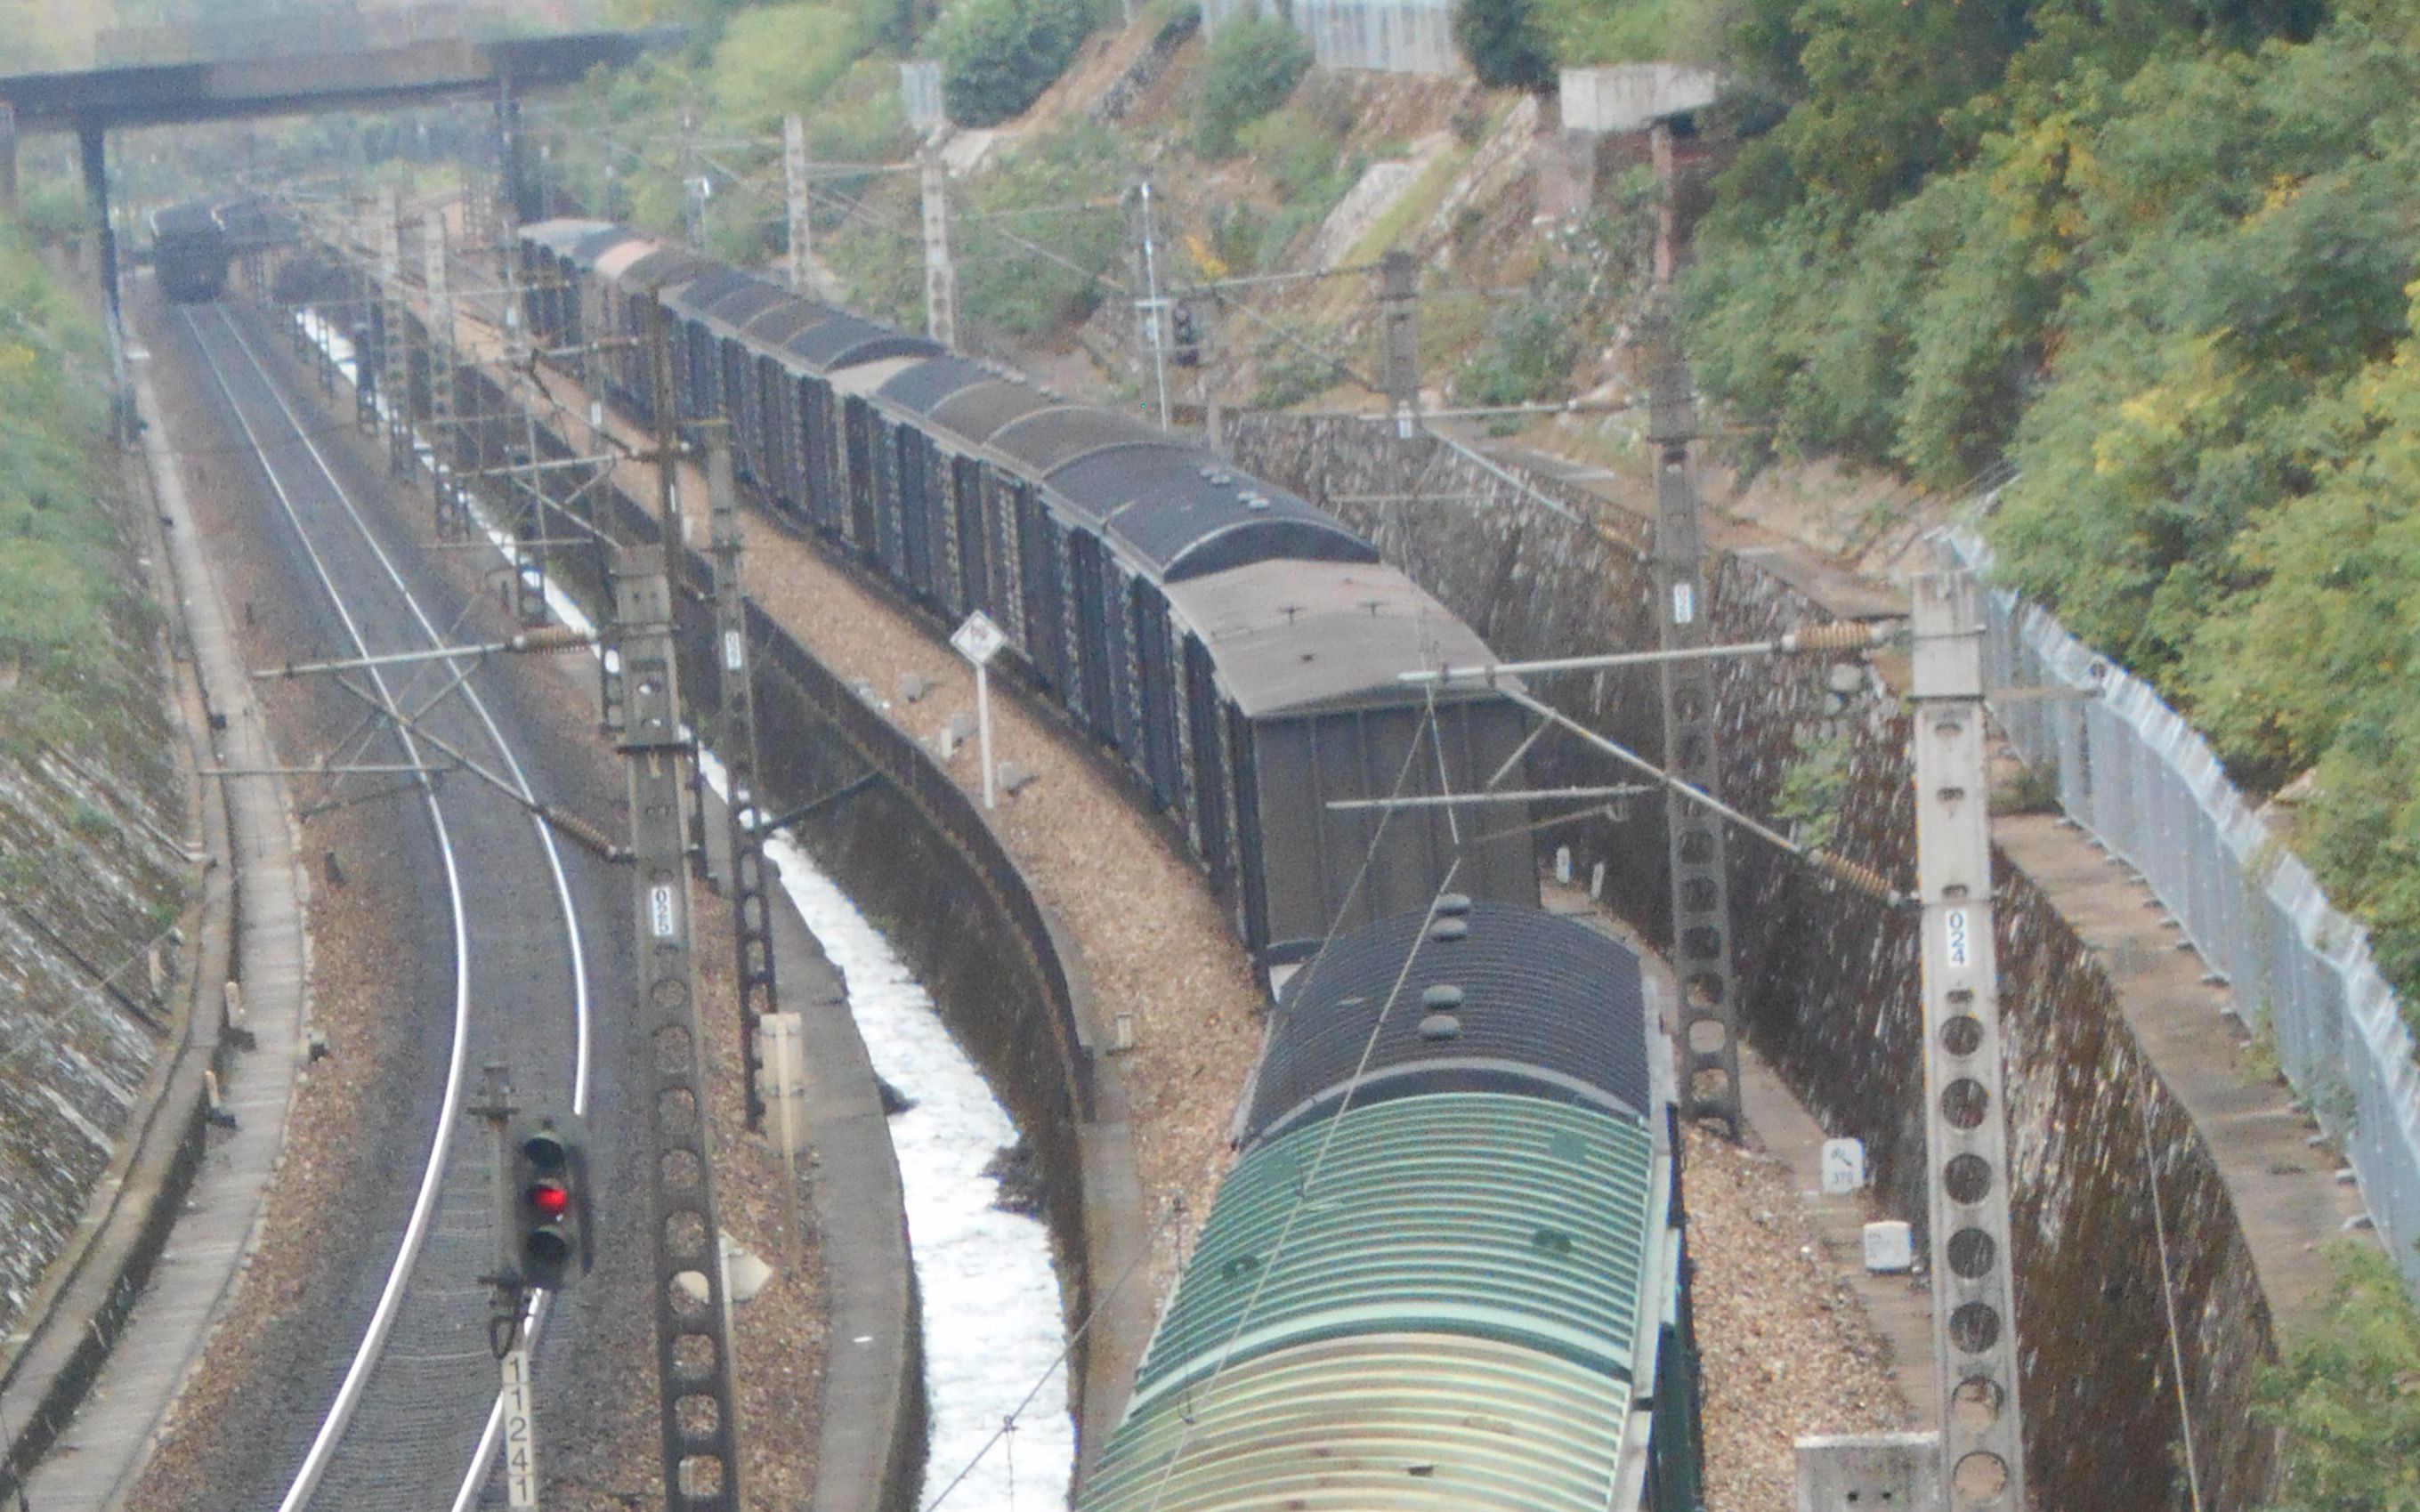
[993, 1324]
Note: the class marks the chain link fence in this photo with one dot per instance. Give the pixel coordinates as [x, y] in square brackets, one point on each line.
[2134, 775]
[1388, 36]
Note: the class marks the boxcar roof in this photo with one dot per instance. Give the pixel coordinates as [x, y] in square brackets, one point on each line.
[976, 412]
[586, 248]
[732, 311]
[667, 267]
[921, 387]
[846, 339]
[563, 236]
[699, 295]
[870, 377]
[1329, 1424]
[1292, 636]
[614, 261]
[777, 323]
[1052, 437]
[1547, 1006]
[1180, 509]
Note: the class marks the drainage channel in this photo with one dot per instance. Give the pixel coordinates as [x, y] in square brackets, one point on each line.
[992, 1321]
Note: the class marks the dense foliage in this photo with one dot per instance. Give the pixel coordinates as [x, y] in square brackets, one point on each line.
[2156, 259]
[1249, 68]
[1061, 193]
[1506, 42]
[60, 614]
[999, 56]
[2348, 1397]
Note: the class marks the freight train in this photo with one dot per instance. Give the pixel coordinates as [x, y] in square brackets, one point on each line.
[1231, 648]
[192, 244]
[188, 253]
[1448, 1269]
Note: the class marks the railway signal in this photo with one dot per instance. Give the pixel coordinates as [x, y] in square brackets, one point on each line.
[1188, 336]
[550, 1206]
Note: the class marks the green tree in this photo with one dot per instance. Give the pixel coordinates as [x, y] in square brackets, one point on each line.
[777, 59]
[1506, 43]
[1074, 174]
[2348, 1397]
[999, 56]
[1248, 70]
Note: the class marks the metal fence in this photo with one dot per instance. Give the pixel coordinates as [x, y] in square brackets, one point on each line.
[1389, 36]
[2132, 773]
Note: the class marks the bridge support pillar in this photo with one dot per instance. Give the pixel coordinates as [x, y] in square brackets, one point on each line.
[93, 137]
[8, 158]
[512, 172]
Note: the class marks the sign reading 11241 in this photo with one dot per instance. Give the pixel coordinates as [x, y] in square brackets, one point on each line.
[520, 1431]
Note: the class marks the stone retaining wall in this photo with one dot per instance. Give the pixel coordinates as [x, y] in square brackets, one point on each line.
[1829, 976]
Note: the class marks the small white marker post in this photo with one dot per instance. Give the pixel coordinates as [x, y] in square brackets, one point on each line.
[520, 1431]
[979, 640]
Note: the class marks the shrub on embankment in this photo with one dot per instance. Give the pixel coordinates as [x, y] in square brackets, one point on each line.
[2348, 1397]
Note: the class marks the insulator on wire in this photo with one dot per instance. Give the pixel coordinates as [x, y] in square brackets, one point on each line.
[1855, 873]
[552, 637]
[1837, 635]
[584, 832]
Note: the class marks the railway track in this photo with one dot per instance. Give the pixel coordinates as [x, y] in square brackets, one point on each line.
[408, 1377]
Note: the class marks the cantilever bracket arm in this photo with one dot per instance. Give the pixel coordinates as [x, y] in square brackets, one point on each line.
[570, 825]
[1865, 879]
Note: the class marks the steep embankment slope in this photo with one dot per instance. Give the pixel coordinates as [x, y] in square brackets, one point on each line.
[91, 801]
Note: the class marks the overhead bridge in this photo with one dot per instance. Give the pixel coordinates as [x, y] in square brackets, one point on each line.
[364, 70]
[415, 72]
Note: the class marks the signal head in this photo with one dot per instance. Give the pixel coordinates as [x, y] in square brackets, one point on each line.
[548, 1219]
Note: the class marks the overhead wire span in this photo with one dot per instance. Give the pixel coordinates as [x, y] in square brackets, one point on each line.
[1309, 1177]
[1855, 873]
[1352, 892]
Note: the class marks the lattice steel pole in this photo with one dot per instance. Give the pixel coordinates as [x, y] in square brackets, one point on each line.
[736, 739]
[1701, 906]
[940, 272]
[1966, 1145]
[701, 1463]
[1399, 314]
[794, 187]
[370, 324]
[393, 355]
[441, 374]
[8, 158]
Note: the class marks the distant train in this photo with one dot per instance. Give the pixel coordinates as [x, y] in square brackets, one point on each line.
[1231, 646]
[1447, 1271]
[192, 245]
[188, 253]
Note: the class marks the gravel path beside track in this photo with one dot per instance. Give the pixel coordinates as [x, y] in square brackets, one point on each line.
[1787, 1350]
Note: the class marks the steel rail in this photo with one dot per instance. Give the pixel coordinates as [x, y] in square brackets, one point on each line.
[424, 1205]
[575, 945]
[474, 1475]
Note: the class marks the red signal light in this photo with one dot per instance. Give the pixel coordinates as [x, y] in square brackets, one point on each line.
[549, 1199]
